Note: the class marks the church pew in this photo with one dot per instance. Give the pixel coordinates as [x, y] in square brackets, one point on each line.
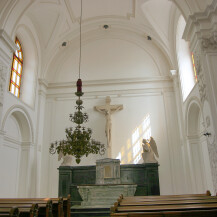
[179, 205]
[197, 210]
[60, 206]
[169, 207]
[188, 213]
[167, 197]
[166, 202]
[28, 208]
[11, 212]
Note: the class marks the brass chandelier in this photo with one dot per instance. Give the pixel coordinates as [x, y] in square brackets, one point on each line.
[78, 140]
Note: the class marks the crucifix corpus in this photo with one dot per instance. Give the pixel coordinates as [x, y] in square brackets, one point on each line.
[108, 110]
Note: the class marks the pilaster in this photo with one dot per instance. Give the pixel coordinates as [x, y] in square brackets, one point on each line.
[201, 31]
[40, 132]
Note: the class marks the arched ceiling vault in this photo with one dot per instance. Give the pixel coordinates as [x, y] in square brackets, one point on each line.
[56, 21]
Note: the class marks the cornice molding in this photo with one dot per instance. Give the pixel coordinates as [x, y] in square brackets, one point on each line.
[112, 93]
[112, 82]
[113, 87]
[201, 26]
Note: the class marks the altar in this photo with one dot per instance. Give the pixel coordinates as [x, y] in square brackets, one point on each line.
[93, 184]
[104, 195]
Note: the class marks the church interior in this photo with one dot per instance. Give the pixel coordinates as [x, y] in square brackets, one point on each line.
[155, 58]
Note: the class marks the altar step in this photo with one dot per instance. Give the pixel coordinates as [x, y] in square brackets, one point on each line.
[92, 212]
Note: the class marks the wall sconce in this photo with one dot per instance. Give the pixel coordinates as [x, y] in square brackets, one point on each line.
[207, 134]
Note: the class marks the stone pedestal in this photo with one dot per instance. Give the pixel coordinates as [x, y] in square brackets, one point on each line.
[103, 195]
[108, 171]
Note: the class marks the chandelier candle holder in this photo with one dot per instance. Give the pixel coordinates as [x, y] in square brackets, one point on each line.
[78, 142]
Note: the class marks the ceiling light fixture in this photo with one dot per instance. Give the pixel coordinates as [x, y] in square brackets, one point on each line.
[106, 26]
[78, 140]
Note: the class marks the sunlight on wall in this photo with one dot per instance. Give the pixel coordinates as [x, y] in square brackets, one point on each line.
[132, 151]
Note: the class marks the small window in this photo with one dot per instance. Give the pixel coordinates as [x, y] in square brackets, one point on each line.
[187, 71]
[16, 70]
[194, 68]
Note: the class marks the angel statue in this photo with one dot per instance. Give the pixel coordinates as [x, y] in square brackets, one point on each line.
[149, 151]
[67, 159]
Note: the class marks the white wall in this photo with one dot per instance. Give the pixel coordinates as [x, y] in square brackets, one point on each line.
[123, 124]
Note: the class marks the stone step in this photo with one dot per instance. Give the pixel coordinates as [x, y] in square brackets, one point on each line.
[92, 212]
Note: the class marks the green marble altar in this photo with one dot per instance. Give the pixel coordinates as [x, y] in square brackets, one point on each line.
[145, 176]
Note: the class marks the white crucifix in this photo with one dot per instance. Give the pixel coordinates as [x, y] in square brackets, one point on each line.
[108, 110]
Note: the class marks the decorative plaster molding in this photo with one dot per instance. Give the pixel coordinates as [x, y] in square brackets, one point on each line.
[7, 41]
[111, 82]
[210, 43]
[2, 83]
[200, 76]
[117, 87]
[113, 93]
[212, 149]
[2, 133]
[200, 25]
[130, 14]
[43, 85]
[12, 140]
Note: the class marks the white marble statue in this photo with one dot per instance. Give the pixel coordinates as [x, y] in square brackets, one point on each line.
[149, 151]
[67, 159]
[108, 110]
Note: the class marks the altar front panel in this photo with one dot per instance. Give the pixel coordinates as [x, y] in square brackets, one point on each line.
[145, 176]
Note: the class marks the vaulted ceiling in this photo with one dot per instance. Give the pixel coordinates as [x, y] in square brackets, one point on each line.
[52, 22]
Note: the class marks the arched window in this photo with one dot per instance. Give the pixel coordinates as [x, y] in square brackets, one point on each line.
[16, 70]
[187, 71]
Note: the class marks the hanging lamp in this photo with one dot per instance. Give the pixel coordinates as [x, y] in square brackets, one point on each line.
[78, 142]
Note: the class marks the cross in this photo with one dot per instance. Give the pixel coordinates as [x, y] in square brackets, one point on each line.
[108, 110]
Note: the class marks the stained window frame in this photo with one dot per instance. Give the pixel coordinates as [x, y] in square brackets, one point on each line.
[194, 67]
[16, 70]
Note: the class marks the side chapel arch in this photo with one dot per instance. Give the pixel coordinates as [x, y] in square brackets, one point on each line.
[17, 122]
[195, 140]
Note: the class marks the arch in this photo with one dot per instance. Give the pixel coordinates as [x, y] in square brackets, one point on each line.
[23, 119]
[17, 146]
[193, 113]
[58, 57]
[197, 147]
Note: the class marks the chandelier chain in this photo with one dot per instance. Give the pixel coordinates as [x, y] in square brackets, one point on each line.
[79, 71]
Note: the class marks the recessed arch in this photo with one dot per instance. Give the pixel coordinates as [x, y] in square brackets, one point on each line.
[24, 121]
[193, 115]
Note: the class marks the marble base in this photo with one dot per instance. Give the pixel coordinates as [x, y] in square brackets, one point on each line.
[104, 195]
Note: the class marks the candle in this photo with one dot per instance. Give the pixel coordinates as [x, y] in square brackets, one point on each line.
[79, 85]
